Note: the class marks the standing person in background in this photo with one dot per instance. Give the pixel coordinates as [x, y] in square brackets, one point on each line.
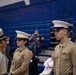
[8, 51]
[36, 40]
[65, 52]
[22, 56]
[3, 58]
[9, 41]
[9, 48]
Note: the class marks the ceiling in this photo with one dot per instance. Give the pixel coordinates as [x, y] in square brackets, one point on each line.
[9, 2]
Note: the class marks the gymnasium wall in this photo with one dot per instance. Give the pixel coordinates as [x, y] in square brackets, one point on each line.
[38, 15]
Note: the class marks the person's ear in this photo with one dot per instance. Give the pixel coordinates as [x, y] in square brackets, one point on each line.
[65, 30]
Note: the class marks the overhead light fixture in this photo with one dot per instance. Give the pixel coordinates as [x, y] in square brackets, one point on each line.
[27, 2]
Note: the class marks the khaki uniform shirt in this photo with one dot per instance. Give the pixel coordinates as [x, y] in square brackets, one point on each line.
[64, 58]
[3, 64]
[21, 61]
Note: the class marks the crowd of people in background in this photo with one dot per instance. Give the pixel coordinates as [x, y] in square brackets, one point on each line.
[24, 61]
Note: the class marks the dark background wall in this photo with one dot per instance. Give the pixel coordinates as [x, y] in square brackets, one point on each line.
[38, 15]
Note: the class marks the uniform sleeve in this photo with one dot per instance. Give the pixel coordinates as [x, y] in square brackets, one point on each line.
[25, 64]
[53, 55]
[3, 67]
[73, 55]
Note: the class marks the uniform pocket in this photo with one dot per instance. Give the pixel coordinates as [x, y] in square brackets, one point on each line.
[64, 56]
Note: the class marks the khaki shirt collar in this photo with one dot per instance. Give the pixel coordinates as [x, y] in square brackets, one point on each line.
[20, 49]
[64, 44]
